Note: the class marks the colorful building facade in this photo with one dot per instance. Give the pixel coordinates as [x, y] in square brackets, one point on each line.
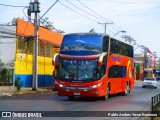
[139, 70]
[49, 43]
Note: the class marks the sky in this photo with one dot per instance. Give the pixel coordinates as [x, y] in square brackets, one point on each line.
[139, 18]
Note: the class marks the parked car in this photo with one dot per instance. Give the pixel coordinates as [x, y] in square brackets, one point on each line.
[150, 82]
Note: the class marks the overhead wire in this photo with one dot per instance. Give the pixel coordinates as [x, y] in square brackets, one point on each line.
[84, 15]
[94, 11]
[104, 19]
[84, 11]
[12, 5]
[100, 15]
[77, 12]
[49, 9]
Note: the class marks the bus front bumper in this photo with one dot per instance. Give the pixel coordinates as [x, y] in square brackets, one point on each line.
[95, 92]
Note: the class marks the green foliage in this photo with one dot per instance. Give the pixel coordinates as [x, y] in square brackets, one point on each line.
[14, 21]
[1, 64]
[47, 24]
[18, 83]
[5, 76]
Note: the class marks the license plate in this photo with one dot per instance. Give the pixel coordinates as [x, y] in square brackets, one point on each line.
[148, 83]
[77, 93]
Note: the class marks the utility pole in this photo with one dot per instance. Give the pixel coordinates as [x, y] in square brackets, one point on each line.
[159, 64]
[105, 25]
[34, 8]
[35, 66]
[145, 57]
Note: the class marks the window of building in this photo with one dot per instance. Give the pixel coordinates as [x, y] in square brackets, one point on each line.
[47, 50]
[22, 45]
[30, 47]
[41, 48]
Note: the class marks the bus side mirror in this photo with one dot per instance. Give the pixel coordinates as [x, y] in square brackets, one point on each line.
[55, 59]
[100, 60]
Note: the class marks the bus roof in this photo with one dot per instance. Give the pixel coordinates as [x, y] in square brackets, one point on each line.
[100, 34]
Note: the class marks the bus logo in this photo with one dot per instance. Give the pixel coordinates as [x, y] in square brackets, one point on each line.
[114, 58]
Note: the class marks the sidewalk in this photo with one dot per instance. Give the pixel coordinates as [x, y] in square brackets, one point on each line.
[10, 90]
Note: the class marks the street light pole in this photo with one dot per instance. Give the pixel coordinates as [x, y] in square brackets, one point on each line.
[159, 64]
[119, 32]
[145, 55]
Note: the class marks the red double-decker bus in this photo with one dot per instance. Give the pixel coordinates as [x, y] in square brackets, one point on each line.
[93, 64]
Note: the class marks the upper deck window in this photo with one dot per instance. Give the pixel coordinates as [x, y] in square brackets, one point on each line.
[82, 43]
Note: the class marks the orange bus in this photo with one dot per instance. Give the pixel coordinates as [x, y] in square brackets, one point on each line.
[93, 64]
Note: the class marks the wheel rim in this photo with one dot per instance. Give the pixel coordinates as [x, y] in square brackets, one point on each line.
[127, 89]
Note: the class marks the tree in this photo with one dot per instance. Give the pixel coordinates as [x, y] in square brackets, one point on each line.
[46, 23]
[60, 31]
[14, 21]
[49, 25]
[5, 76]
[1, 64]
[18, 83]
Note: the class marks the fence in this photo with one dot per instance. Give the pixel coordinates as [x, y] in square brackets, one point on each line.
[154, 104]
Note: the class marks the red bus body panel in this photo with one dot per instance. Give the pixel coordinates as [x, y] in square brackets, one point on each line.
[117, 84]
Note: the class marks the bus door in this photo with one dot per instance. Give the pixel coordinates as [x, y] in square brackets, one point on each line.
[118, 77]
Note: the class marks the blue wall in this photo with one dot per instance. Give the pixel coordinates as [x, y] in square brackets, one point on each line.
[43, 80]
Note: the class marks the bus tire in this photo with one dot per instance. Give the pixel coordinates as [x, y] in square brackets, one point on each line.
[71, 97]
[127, 89]
[107, 93]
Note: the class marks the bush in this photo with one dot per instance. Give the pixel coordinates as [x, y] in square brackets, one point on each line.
[5, 76]
[18, 83]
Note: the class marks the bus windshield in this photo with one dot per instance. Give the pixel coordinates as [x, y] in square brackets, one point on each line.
[79, 70]
[81, 43]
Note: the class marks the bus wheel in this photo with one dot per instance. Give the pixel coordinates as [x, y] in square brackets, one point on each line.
[70, 97]
[107, 93]
[127, 90]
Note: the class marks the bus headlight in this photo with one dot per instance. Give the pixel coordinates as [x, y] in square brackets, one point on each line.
[60, 85]
[96, 86]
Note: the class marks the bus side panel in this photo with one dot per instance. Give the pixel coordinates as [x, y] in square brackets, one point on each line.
[118, 84]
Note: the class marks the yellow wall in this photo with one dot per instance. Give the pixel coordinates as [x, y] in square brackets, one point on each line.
[24, 65]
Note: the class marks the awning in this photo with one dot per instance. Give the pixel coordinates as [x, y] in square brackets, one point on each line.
[26, 29]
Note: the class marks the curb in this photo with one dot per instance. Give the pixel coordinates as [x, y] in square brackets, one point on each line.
[26, 92]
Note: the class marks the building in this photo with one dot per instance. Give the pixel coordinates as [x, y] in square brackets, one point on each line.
[7, 44]
[158, 64]
[22, 53]
[148, 59]
[7, 56]
[139, 70]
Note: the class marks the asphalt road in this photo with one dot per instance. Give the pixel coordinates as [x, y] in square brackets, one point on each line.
[138, 100]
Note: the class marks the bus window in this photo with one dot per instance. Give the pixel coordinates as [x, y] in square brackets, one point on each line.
[117, 72]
